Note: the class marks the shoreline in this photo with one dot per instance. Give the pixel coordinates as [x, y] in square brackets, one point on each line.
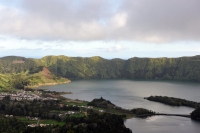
[47, 84]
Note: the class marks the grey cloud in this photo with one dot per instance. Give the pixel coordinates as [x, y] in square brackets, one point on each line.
[157, 21]
[39, 43]
[170, 20]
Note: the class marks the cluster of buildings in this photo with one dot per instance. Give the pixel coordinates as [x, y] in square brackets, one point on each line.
[24, 95]
[35, 125]
[88, 107]
[69, 113]
[8, 115]
[31, 118]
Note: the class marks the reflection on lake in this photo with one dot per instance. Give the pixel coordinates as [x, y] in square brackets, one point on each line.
[130, 94]
[163, 124]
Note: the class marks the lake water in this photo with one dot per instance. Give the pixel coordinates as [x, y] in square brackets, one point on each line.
[130, 94]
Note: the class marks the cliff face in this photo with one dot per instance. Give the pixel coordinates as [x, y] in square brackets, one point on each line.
[184, 68]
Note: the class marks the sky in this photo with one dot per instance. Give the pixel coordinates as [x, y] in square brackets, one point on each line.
[106, 28]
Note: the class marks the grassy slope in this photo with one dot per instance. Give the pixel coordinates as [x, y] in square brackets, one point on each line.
[44, 77]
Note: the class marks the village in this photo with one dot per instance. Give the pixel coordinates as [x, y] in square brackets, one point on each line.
[25, 95]
[20, 96]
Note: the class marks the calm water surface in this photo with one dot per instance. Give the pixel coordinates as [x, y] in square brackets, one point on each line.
[130, 94]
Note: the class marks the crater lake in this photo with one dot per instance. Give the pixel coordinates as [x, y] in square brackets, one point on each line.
[130, 94]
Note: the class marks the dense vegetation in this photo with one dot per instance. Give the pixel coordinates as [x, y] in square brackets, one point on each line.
[102, 103]
[184, 68]
[173, 101]
[4, 82]
[196, 114]
[11, 125]
[35, 108]
[94, 123]
[142, 111]
[33, 78]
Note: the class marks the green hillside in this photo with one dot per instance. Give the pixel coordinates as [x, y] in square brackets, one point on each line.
[44, 77]
[28, 79]
[4, 79]
[183, 68]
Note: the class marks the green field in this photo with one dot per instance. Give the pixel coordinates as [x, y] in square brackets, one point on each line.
[75, 102]
[43, 121]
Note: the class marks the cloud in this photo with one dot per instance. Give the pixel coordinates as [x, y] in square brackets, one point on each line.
[116, 48]
[2, 47]
[119, 20]
[154, 21]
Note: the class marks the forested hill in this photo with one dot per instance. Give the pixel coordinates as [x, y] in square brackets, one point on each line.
[183, 68]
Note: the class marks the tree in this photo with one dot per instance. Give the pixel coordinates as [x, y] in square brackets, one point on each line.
[196, 114]
[18, 81]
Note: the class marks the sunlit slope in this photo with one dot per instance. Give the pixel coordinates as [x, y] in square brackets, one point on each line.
[40, 76]
[45, 77]
[4, 82]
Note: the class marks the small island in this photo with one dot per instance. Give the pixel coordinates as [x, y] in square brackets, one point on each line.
[196, 114]
[177, 102]
[173, 101]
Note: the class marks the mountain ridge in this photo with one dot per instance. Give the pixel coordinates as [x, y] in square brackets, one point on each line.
[182, 68]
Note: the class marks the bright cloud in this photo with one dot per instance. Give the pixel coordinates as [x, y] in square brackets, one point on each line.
[109, 28]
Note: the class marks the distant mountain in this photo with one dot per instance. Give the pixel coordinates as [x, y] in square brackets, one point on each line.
[183, 68]
[16, 64]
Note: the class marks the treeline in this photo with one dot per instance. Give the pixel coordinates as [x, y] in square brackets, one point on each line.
[142, 111]
[173, 101]
[93, 123]
[12, 125]
[15, 64]
[35, 108]
[195, 114]
[184, 68]
[101, 103]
